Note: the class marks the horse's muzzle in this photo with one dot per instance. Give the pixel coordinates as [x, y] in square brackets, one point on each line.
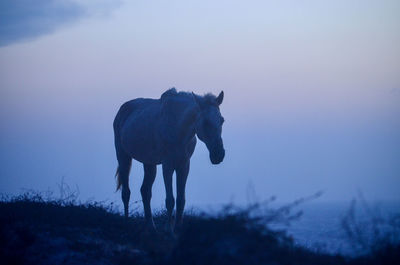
[217, 157]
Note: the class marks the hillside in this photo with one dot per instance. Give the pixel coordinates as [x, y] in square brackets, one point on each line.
[39, 231]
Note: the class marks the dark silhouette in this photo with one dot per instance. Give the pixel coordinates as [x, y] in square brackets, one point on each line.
[163, 131]
[42, 230]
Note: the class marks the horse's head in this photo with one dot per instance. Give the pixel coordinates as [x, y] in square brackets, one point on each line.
[209, 125]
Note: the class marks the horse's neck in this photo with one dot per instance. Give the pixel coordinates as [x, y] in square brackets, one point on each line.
[187, 126]
[181, 116]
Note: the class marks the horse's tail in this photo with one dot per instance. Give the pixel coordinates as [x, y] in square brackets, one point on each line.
[124, 160]
[122, 173]
[118, 179]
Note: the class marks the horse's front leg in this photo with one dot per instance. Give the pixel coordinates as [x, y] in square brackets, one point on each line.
[168, 171]
[150, 172]
[181, 176]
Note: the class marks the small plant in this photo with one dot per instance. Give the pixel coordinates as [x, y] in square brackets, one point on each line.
[368, 230]
[36, 228]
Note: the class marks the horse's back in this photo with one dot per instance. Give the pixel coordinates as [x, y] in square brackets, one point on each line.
[129, 108]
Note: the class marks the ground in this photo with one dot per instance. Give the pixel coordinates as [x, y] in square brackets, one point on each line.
[38, 231]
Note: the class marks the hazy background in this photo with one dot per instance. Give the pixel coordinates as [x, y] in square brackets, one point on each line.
[312, 93]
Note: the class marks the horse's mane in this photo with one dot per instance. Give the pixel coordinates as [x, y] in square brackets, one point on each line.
[173, 93]
[170, 92]
[208, 98]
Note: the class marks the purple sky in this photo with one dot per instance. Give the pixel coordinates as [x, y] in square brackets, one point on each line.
[312, 93]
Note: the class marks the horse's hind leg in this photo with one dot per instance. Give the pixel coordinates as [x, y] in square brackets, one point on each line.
[124, 167]
[181, 176]
[150, 172]
[168, 171]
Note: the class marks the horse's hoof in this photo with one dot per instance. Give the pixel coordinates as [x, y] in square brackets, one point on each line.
[169, 228]
[177, 229]
[151, 228]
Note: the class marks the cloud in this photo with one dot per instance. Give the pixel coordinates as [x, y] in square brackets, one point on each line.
[22, 20]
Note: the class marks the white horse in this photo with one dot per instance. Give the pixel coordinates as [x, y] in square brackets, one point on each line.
[163, 131]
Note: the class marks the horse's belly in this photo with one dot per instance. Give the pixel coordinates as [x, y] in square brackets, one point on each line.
[141, 145]
[147, 157]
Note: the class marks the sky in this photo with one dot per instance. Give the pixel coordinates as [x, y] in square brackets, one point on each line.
[312, 94]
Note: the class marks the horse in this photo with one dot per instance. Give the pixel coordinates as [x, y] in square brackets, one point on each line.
[163, 131]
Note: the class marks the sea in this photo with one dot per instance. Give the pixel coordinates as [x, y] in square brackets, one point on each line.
[321, 226]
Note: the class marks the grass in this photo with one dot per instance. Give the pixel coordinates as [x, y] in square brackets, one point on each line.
[36, 229]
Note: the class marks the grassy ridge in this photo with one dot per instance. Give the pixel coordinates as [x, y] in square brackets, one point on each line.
[46, 231]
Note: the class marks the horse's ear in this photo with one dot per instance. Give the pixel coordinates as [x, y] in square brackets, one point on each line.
[220, 98]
